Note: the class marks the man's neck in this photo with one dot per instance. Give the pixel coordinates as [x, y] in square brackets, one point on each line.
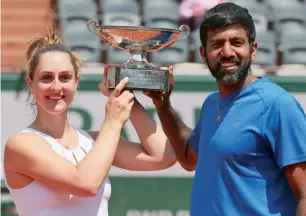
[226, 90]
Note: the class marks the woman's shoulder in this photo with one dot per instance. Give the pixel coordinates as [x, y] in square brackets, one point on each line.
[23, 135]
[20, 137]
[24, 140]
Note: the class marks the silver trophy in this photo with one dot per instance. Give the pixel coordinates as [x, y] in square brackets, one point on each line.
[138, 41]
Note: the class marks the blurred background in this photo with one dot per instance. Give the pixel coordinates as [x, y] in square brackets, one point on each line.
[281, 33]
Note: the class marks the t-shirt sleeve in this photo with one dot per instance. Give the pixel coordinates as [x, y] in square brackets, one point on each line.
[285, 130]
[194, 136]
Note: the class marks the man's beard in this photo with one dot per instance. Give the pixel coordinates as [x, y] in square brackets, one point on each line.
[233, 77]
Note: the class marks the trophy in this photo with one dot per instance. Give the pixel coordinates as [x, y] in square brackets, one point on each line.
[138, 41]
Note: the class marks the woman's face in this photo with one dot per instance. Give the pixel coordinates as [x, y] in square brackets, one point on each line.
[54, 82]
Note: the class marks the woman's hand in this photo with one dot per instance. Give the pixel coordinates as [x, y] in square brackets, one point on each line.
[103, 87]
[119, 105]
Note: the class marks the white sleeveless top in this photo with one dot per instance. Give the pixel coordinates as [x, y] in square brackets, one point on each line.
[37, 199]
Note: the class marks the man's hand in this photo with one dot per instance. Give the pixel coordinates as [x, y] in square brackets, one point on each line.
[161, 99]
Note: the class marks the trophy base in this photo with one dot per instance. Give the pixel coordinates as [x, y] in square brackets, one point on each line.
[139, 79]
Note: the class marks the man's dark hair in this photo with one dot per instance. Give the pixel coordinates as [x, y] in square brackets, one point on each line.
[225, 14]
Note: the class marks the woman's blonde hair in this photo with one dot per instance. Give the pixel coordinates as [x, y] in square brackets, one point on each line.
[50, 43]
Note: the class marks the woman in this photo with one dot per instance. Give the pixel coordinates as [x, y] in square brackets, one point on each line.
[52, 168]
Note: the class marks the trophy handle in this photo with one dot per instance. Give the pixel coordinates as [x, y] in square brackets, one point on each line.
[185, 30]
[89, 24]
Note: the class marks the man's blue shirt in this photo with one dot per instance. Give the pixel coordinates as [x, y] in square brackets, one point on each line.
[241, 158]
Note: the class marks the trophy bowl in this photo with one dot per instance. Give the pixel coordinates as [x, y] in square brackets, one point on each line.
[138, 41]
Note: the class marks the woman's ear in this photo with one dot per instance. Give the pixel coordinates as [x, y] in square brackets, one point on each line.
[77, 80]
[29, 82]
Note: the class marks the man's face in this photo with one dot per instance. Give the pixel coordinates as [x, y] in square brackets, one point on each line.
[228, 53]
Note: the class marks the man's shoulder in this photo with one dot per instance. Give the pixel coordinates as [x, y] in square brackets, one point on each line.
[276, 98]
[212, 96]
[270, 92]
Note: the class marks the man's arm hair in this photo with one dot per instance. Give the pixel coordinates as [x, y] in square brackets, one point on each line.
[296, 175]
[178, 133]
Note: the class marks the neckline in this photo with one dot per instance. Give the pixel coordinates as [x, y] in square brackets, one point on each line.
[238, 92]
[64, 148]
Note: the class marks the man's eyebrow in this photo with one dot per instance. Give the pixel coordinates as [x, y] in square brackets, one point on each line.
[216, 40]
[221, 39]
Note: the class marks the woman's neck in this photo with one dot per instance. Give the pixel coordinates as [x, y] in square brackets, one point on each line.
[53, 125]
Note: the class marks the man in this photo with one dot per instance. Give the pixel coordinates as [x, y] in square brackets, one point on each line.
[249, 145]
